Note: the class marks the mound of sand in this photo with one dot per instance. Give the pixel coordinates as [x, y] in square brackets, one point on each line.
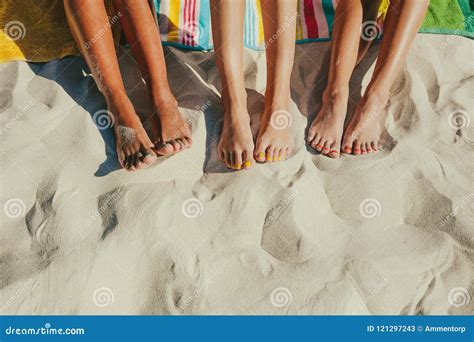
[383, 234]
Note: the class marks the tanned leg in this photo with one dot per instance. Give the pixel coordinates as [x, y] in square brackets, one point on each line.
[403, 20]
[171, 132]
[274, 141]
[236, 143]
[88, 18]
[326, 131]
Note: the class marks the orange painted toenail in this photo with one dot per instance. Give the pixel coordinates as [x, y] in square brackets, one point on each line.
[269, 159]
[248, 164]
[238, 166]
[279, 158]
[261, 155]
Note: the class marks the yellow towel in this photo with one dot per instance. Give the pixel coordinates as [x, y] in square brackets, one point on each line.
[35, 30]
[383, 8]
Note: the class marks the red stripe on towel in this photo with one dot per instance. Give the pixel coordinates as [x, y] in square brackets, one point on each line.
[186, 25]
[310, 18]
[193, 21]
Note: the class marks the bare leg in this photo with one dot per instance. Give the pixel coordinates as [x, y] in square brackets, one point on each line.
[403, 20]
[369, 18]
[171, 132]
[326, 131]
[86, 18]
[274, 141]
[236, 144]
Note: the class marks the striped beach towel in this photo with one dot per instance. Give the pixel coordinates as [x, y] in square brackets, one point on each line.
[187, 23]
[37, 31]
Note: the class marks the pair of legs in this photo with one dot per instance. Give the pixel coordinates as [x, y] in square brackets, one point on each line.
[236, 147]
[402, 22]
[90, 27]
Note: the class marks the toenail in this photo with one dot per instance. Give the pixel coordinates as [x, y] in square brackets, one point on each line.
[238, 166]
[248, 164]
[279, 158]
[261, 155]
[269, 159]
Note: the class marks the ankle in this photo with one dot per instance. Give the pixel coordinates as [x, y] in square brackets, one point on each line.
[236, 113]
[335, 94]
[163, 98]
[276, 104]
[235, 105]
[377, 92]
[120, 105]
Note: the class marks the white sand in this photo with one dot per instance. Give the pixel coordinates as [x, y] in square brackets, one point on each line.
[288, 238]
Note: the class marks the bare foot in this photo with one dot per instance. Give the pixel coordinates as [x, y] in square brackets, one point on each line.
[171, 131]
[134, 148]
[236, 144]
[363, 133]
[274, 141]
[325, 133]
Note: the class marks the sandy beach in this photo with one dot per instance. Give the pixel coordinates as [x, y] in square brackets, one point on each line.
[390, 233]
